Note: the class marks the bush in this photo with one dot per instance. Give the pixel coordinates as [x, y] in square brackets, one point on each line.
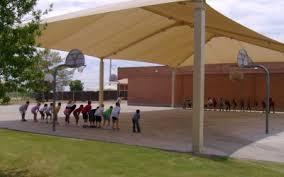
[6, 100]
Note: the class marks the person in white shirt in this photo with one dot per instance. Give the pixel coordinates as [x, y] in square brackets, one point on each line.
[42, 111]
[98, 115]
[48, 112]
[115, 116]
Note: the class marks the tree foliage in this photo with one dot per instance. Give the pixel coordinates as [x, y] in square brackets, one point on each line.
[50, 59]
[19, 58]
[76, 85]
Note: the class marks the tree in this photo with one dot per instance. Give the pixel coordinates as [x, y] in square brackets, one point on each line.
[76, 85]
[19, 58]
[50, 59]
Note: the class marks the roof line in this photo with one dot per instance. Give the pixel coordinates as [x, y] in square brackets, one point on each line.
[143, 38]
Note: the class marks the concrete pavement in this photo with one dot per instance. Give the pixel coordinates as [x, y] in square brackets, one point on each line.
[234, 134]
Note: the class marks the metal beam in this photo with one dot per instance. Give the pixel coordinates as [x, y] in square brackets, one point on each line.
[101, 80]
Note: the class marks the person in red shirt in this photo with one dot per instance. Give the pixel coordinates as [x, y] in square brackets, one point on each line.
[77, 112]
[86, 111]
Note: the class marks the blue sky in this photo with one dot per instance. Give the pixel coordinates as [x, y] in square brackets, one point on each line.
[263, 16]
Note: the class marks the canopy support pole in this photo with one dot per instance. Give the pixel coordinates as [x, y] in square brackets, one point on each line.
[101, 80]
[110, 67]
[198, 77]
[173, 87]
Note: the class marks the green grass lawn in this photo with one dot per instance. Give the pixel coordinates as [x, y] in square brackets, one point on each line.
[25, 154]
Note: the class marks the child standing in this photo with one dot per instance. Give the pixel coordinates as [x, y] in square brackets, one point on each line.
[77, 112]
[34, 111]
[106, 116]
[23, 110]
[98, 114]
[115, 116]
[135, 122]
[42, 111]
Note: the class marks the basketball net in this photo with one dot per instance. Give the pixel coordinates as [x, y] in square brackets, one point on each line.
[81, 69]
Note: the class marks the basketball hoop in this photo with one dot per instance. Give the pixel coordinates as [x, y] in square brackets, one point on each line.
[236, 75]
[75, 59]
[113, 78]
[243, 60]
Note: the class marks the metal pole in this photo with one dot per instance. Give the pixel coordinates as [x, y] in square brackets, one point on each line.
[54, 100]
[267, 96]
[173, 87]
[198, 77]
[101, 80]
[110, 66]
[267, 100]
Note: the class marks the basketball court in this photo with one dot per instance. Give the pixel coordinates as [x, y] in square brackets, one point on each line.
[235, 134]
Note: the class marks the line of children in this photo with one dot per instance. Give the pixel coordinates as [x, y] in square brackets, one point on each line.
[95, 116]
[45, 112]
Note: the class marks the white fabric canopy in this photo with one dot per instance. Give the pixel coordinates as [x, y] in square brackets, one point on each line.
[157, 31]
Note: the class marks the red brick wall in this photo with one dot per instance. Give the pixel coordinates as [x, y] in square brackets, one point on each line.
[152, 85]
[147, 86]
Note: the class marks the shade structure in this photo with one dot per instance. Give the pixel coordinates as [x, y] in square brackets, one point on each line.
[156, 31]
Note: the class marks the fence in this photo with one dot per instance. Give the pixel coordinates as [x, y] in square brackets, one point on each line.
[77, 96]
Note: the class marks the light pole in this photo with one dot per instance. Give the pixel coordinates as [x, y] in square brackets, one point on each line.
[244, 61]
[74, 59]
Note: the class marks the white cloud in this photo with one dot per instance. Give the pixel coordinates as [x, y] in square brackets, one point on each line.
[263, 16]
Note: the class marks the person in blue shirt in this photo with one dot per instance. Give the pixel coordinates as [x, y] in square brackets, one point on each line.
[135, 122]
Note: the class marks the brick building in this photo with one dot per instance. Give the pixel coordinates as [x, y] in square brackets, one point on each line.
[153, 85]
